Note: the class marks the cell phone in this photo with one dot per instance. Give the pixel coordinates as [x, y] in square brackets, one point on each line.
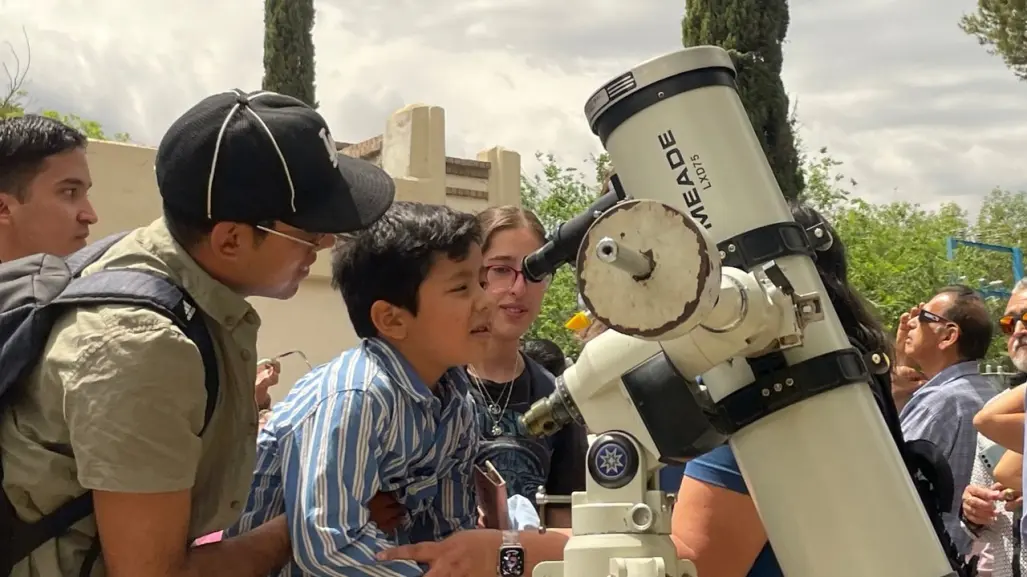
[492, 496]
[991, 456]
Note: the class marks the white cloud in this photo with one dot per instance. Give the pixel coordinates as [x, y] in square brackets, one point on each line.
[892, 87]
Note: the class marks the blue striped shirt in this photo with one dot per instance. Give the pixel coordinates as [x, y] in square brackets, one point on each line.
[365, 423]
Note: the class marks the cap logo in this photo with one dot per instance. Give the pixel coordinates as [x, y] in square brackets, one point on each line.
[329, 142]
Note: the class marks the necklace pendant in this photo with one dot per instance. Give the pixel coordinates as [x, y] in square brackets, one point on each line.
[496, 430]
[495, 410]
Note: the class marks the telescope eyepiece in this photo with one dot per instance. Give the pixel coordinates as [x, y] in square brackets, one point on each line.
[539, 265]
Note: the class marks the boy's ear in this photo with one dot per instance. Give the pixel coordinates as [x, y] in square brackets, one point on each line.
[390, 320]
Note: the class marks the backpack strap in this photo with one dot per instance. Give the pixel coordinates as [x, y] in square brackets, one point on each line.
[92, 252]
[156, 292]
[122, 286]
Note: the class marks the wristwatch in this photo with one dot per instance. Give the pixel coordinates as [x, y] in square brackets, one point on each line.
[511, 555]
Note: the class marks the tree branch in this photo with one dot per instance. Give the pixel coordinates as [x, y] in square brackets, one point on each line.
[15, 90]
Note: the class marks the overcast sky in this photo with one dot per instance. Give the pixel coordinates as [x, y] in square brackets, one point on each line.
[892, 87]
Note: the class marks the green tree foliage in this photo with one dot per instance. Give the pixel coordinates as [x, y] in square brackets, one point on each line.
[556, 195]
[1001, 27]
[898, 252]
[753, 32]
[289, 48]
[91, 128]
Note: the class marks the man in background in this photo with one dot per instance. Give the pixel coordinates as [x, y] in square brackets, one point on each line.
[944, 340]
[1002, 420]
[44, 186]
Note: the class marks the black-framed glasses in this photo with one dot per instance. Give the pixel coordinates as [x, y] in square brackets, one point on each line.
[1007, 324]
[928, 317]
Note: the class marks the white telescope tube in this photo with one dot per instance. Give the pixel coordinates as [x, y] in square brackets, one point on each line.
[830, 486]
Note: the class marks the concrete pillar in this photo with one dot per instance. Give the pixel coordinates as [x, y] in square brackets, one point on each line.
[504, 184]
[414, 153]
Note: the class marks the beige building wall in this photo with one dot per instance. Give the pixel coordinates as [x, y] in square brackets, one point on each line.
[412, 150]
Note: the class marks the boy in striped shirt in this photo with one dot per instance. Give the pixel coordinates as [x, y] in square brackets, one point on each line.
[390, 416]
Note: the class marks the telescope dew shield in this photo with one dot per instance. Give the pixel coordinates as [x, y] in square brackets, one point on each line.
[831, 488]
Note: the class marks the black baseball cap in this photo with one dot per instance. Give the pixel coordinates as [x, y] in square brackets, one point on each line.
[262, 157]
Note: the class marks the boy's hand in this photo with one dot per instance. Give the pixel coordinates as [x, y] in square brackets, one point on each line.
[464, 554]
[386, 512]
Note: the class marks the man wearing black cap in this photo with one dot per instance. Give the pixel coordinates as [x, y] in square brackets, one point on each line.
[252, 188]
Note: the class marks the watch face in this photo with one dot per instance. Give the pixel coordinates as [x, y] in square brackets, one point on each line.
[511, 562]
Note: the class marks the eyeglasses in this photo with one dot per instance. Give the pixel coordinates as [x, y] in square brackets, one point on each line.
[501, 277]
[928, 317]
[277, 358]
[319, 242]
[1007, 324]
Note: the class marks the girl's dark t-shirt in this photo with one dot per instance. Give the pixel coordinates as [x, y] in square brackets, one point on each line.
[526, 463]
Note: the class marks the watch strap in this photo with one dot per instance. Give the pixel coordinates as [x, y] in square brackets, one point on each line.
[511, 555]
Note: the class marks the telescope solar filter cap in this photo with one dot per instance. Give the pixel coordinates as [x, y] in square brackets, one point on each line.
[262, 156]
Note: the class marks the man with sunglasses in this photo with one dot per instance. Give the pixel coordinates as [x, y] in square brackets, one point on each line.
[944, 340]
[1002, 420]
[252, 188]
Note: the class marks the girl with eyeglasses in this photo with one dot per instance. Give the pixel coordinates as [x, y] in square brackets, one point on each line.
[506, 382]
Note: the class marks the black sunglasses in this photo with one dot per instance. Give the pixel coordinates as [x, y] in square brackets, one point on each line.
[926, 316]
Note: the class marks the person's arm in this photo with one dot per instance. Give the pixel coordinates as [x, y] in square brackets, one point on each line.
[476, 553]
[542, 547]
[134, 404]
[715, 523]
[1009, 470]
[1001, 420]
[567, 472]
[125, 519]
[330, 468]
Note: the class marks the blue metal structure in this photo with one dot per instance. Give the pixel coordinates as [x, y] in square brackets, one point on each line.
[1015, 253]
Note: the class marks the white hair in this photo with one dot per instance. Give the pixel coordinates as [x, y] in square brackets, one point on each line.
[1021, 286]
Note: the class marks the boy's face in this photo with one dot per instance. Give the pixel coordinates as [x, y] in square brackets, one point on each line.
[452, 325]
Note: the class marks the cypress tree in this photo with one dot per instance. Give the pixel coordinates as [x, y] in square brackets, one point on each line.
[289, 48]
[753, 31]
